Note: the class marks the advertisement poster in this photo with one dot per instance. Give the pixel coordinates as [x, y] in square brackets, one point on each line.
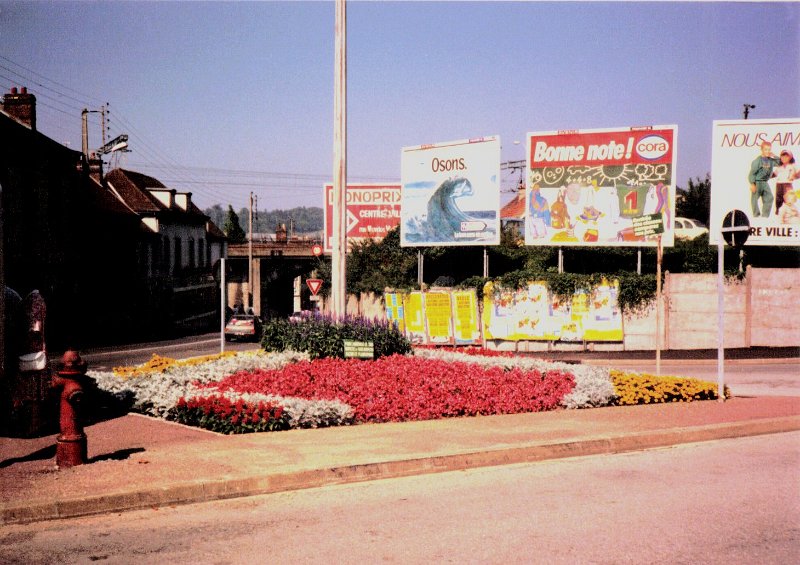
[586, 187]
[466, 328]
[395, 311]
[534, 314]
[415, 317]
[451, 193]
[603, 321]
[372, 211]
[754, 169]
[439, 317]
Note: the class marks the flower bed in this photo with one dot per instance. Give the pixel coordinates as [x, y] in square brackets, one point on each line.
[257, 391]
[401, 388]
[642, 388]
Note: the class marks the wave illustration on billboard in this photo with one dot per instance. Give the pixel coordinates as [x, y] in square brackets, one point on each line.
[590, 187]
[451, 193]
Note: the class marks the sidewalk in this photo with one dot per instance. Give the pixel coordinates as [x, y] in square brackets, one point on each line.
[141, 462]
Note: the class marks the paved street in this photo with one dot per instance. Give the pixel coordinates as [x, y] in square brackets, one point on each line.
[728, 501]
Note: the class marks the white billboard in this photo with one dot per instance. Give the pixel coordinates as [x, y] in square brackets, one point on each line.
[451, 193]
[753, 169]
[592, 187]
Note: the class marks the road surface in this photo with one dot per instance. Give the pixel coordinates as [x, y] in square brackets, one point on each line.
[729, 501]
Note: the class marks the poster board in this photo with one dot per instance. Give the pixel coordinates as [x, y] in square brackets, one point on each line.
[737, 164]
[451, 193]
[533, 313]
[585, 187]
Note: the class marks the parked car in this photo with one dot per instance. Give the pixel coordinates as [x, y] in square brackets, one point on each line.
[243, 326]
[686, 228]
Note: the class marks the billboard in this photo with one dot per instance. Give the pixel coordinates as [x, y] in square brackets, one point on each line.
[451, 193]
[587, 187]
[753, 169]
[372, 211]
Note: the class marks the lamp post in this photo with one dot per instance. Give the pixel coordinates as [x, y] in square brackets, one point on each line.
[747, 108]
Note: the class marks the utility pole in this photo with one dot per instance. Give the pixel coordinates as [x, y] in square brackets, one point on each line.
[250, 258]
[339, 251]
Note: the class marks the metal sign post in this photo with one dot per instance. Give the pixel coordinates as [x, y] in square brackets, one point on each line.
[658, 306]
[222, 290]
[735, 234]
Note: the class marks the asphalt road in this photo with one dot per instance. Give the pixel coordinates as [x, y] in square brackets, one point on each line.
[729, 501]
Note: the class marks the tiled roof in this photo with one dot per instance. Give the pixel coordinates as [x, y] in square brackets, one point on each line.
[132, 188]
[515, 209]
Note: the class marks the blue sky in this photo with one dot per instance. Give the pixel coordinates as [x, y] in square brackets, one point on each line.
[226, 98]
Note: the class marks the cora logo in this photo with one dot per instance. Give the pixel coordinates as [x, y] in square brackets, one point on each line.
[652, 147]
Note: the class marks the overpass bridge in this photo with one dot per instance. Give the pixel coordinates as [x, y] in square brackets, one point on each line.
[280, 265]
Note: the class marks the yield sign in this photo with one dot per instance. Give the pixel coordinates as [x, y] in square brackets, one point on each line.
[314, 285]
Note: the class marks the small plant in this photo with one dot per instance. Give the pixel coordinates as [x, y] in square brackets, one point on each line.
[323, 336]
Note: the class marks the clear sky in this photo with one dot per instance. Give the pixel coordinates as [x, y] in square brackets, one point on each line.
[221, 99]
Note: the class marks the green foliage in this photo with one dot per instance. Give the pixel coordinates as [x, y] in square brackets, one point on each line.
[695, 200]
[373, 267]
[322, 336]
[232, 228]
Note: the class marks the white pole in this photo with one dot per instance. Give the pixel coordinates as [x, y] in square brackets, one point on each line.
[485, 263]
[222, 301]
[339, 252]
[419, 268]
[658, 308]
[560, 260]
[639, 261]
[721, 319]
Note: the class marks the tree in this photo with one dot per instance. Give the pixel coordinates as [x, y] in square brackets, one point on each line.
[232, 228]
[695, 201]
[216, 214]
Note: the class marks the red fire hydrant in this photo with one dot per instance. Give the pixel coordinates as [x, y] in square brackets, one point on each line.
[71, 442]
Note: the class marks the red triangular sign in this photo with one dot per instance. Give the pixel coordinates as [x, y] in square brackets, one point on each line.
[314, 285]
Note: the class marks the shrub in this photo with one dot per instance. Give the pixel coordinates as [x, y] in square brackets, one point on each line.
[322, 336]
[642, 388]
[220, 414]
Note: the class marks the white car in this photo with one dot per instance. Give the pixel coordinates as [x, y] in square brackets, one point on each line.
[686, 228]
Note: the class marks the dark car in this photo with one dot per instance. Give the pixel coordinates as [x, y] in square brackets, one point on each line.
[243, 326]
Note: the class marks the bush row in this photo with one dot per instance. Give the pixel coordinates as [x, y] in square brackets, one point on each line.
[323, 336]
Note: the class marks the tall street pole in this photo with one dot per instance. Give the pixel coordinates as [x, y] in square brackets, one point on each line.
[250, 291]
[339, 248]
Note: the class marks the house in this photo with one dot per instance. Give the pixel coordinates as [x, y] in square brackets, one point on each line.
[120, 257]
[184, 250]
[513, 213]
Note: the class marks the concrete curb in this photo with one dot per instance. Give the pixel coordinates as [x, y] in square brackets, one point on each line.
[208, 490]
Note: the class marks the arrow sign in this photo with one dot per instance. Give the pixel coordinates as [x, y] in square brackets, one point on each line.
[314, 285]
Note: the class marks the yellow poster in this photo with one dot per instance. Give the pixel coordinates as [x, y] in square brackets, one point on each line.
[439, 317]
[395, 312]
[465, 317]
[415, 319]
[533, 313]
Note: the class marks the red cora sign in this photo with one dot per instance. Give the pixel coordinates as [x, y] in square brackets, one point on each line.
[372, 210]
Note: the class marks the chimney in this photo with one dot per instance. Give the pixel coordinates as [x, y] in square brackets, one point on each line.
[21, 106]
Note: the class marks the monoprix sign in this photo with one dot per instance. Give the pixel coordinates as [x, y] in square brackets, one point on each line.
[372, 211]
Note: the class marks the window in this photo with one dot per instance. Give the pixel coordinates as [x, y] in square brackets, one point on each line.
[191, 253]
[201, 252]
[178, 262]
